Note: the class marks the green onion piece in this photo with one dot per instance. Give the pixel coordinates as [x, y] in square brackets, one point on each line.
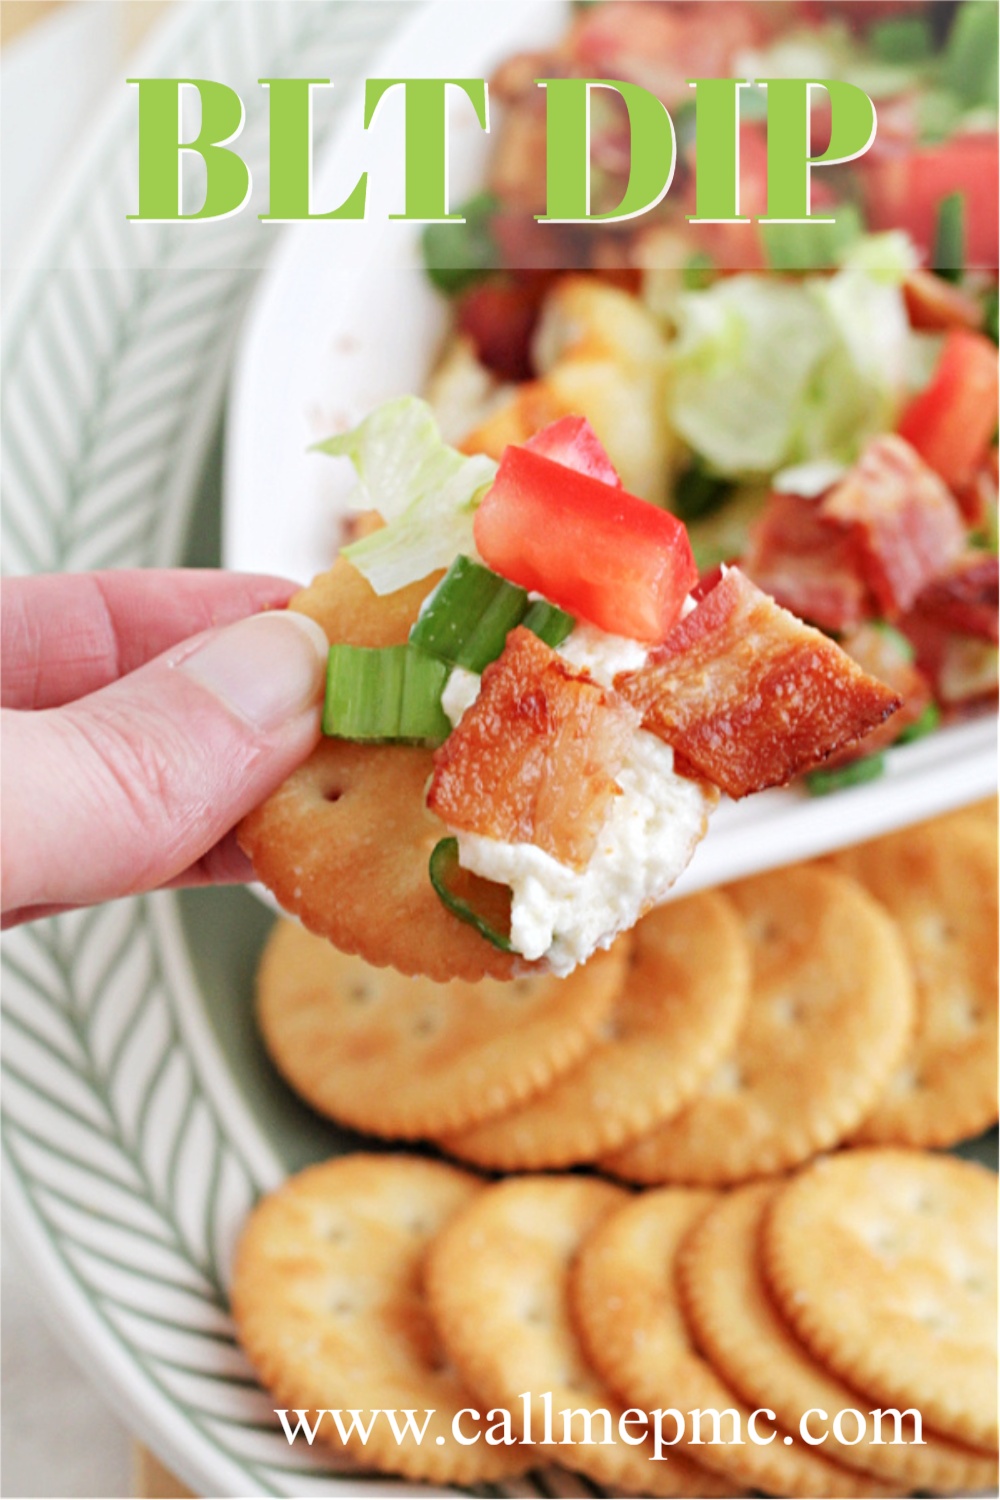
[550, 623]
[811, 247]
[822, 783]
[908, 39]
[699, 492]
[467, 619]
[456, 255]
[991, 314]
[698, 272]
[948, 258]
[454, 886]
[385, 693]
[970, 61]
[926, 724]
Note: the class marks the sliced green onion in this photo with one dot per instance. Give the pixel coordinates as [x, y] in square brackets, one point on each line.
[907, 39]
[699, 492]
[385, 693]
[456, 255]
[698, 272]
[490, 915]
[970, 61]
[926, 724]
[550, 623]
[468, 618]
[822, 783]
[810, 247]
[991, 314]
[948, 259]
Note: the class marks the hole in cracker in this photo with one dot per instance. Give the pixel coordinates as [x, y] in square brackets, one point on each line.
[426, 1024]
[332, 794]
[342, 1307]
[519, 988]
[360, 991]
[334, 1234]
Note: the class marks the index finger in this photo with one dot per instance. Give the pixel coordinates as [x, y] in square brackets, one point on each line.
[67, 634]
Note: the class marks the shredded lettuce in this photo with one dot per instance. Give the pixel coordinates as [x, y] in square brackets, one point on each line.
[769, 373]
[425, 491]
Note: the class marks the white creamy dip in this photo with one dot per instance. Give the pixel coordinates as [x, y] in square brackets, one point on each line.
[647, 840]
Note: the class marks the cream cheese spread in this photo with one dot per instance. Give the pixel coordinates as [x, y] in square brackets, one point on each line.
[562, 914]
[649, 836]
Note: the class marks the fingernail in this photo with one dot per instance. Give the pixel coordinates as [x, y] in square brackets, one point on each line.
[267, 669]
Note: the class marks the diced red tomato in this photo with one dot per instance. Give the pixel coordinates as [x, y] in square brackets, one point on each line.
[573, 442]
[904, 186]
[950, 424]
[597, 551]
[499, 315]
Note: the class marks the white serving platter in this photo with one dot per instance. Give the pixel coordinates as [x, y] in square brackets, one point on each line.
[346, 318]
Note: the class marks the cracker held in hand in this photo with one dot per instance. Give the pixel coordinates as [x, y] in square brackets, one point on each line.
[328, 1304]
[884, 1263]
[738, 1327]
[345, 842]
[627, 1308]
[496, 1279]
[939, 882]
[407, 1057]
[830, 1012]
[531, 753]
[680, 1003]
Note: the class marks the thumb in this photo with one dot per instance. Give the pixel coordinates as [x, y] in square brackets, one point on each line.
[122, 790]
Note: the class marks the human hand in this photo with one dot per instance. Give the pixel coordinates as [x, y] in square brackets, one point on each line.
[144, 713]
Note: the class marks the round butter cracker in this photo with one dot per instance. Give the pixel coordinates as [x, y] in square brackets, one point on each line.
[404, 1057]
[496, 1278]
[883, 1261]
[830, 1012]
[345, 842]
[682, 998]
[938, 881]
[329, 1306]
[628, 1310]
[738, 1327]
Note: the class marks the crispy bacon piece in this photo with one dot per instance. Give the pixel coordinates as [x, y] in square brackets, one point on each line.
[534, 759]
[966, 599]
[907, 524]
[954, 626]
[808, 564]
[750, 696]
[935, 304]
[886, 655]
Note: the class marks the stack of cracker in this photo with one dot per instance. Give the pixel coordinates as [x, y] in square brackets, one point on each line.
[715, 1057]
[556, 1312]
[730, 1036]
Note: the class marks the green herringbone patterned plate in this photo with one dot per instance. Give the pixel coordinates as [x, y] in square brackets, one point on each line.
[140, 1118]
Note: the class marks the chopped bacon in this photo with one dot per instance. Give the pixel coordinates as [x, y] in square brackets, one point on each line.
[966, 599]
[886, 655]
[534, 759]
[808, 564]
[936, 304]
[906, 521]
[750, 696]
